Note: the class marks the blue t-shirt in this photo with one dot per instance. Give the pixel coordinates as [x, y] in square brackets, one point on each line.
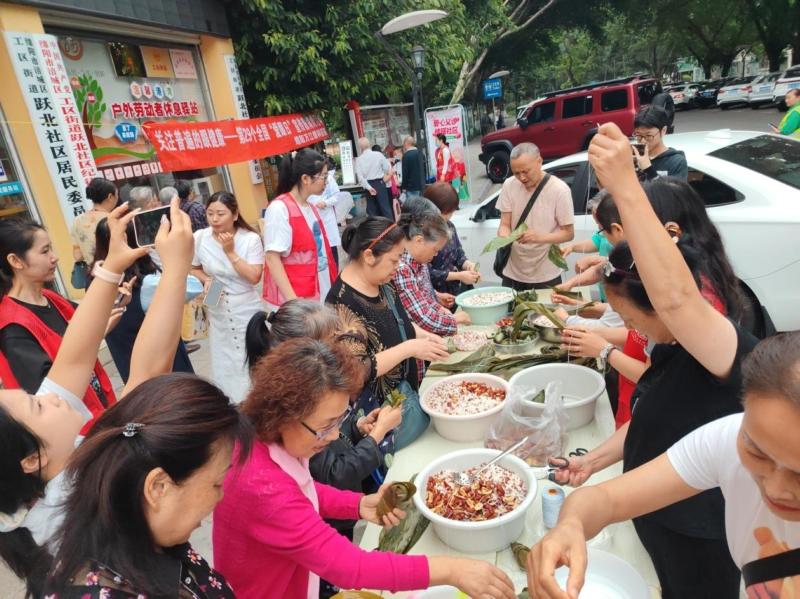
[604, 247]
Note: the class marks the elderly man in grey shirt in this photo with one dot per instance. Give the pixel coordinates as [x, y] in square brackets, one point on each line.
[371, 170]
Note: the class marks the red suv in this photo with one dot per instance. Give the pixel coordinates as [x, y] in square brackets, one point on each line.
[562, 122]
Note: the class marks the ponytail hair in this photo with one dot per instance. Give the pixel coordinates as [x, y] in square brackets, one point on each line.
[305, 162]
[18, 489]
[295, 318]
[227, 199]
[420, 216]
[442, 138]
[16, 237]
[375, 233]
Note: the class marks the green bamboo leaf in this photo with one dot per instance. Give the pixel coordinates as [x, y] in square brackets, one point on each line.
[501, 242]
[570, 294]
[554, 255]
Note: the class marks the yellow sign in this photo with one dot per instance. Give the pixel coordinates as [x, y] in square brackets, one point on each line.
[157, 62]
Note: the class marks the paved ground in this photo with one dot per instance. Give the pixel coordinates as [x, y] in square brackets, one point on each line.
[693, 120]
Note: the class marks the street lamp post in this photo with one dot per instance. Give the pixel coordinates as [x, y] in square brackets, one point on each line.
[497, 75]
[405, 21]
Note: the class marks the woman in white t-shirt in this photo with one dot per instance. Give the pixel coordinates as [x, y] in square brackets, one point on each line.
[325, 204]
[38, 433]
[300, 262]
[229, 253]
[753, 459]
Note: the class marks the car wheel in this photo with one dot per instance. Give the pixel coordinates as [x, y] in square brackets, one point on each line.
[724, 107]
[498, 167]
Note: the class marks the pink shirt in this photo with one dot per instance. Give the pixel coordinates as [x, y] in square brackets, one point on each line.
[267, 536]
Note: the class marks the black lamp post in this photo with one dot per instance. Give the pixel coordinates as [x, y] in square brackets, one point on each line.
[414, 70]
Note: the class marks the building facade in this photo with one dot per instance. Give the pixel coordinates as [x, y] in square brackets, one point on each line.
[79, 79]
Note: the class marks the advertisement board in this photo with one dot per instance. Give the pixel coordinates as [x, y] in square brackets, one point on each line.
[449, 120]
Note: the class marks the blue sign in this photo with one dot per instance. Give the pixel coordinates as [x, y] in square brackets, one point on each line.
[492, 88]
[11, 188]
[126, 132]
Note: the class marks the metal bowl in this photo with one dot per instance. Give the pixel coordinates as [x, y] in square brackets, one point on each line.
[516, 349]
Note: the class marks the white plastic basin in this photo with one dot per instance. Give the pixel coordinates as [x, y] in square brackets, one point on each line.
[476, 537]
[581, 387]
[464, 428]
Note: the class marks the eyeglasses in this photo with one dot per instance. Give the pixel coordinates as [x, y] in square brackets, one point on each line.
[323, 433]
[321, 175]
[646, 136]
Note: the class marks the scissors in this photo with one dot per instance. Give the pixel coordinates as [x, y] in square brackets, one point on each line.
[556, 465]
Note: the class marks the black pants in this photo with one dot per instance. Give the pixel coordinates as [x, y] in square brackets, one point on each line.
[520, 286]
[379, 204]
[689, 567]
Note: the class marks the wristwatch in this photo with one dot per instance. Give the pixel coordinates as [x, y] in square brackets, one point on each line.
[602, 359]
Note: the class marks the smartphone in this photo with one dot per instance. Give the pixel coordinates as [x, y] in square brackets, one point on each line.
[214, 293]
[146, 225]
[639, 146]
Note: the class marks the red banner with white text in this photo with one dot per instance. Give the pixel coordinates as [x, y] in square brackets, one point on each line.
[184, 146]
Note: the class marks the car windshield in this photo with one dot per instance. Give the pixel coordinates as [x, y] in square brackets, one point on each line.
[792, 73]
[775, 157]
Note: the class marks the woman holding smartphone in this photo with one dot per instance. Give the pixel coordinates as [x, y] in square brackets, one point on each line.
[229, 260]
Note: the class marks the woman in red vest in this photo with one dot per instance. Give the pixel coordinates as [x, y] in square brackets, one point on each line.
[299, 258]
[33, 319]
[445, 167]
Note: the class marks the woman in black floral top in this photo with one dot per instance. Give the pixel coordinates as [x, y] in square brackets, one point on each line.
[144, 478]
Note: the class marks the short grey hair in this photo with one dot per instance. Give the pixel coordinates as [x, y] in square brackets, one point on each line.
[409, 140]
[420, 216]
[140, 197]
[363, 143]
[525, 148]
[302, 318]
[166, 194]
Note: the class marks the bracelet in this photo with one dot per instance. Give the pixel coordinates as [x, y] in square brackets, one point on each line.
[98, 272]
[237, 259]
[602, 359]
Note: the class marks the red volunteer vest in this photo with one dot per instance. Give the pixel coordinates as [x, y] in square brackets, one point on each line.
[301, 263]
[450, 174]
[13, 313]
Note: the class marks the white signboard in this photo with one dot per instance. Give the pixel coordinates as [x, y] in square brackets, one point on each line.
[56, 121]
[256, 176]
[348, 166]
[450, 121]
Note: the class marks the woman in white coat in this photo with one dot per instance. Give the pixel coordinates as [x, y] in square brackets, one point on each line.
[229, 252]
[326, 205]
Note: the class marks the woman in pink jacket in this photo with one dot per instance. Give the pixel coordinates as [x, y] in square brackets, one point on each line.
[269, 536]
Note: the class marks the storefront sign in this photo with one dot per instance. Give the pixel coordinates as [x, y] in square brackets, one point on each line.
[153, 110]
[241, 109]
[183, 64]
[346, 159]
[157, 62]
[56, 120]
[449, 121]
[187, 146]
[10, 189]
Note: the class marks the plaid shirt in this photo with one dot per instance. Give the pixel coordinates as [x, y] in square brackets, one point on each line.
[197, 214]
[451, 258]
[413, 284]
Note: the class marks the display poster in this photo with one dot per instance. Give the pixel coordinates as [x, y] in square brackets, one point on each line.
[55, 117]
[241, 109]
[188, 146]
[183, 63]
[450, 121]
[113, 107]
[348, 165]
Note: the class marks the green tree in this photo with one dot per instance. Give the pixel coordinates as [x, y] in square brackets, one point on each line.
[777, 23]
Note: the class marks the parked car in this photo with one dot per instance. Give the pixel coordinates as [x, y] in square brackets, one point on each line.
[760, 91]
[706, 97]
[750, 183]
[562, 122]
[684, 95]
[790, 79]
[734, 93]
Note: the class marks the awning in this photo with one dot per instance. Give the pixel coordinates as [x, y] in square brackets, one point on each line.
[184, 146]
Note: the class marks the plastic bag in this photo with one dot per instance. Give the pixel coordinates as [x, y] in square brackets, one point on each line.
[546, 431]
[149, 284]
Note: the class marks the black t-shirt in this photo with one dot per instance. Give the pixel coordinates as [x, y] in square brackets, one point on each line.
[675, 396]
[26, 358]
[372, 318]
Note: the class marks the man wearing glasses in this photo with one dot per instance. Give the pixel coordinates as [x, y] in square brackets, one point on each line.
[654, 158]
[550, 219]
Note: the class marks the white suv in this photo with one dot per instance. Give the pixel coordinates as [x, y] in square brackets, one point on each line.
[789, 80]
[750, 183]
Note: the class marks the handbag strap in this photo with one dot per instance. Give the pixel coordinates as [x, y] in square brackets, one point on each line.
[401, 328]
[532, 201]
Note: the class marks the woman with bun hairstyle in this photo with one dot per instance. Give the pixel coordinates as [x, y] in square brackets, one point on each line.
[368, 305]
[104, 197]
[300, 262]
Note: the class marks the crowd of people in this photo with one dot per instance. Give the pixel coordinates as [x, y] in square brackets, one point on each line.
[289, 438]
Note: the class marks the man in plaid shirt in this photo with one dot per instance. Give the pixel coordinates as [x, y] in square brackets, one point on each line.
[195, 209]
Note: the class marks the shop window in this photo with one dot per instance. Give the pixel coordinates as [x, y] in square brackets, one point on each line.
[614, 100]
[12, 194]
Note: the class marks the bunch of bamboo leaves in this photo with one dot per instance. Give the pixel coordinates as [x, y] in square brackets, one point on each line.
[501, 242]
[401, 538]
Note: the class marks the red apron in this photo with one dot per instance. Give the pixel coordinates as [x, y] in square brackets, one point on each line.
[301, 263]
[12, 312]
